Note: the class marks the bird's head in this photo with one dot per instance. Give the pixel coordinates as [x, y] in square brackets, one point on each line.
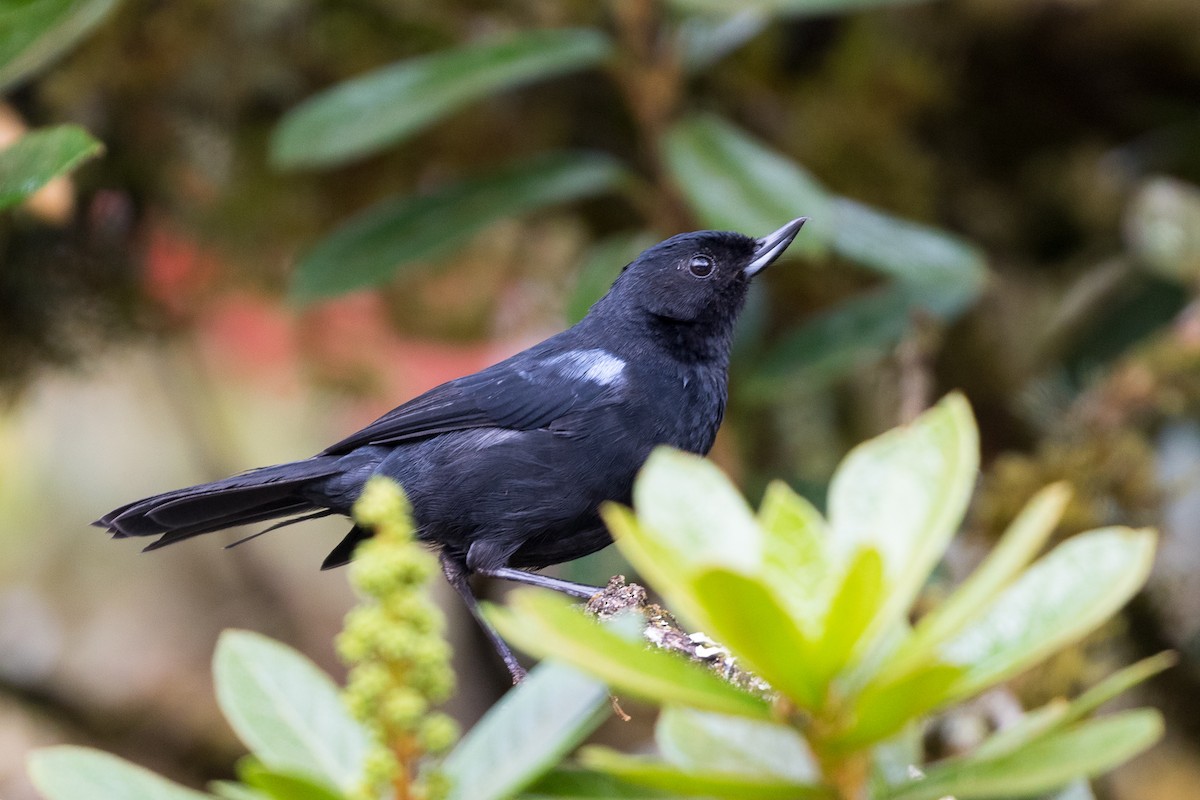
[699, 277]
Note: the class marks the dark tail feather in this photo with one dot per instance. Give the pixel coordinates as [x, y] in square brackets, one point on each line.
[254, 496]
[345, 550]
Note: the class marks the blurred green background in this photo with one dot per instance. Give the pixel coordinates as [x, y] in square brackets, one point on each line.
[307, 212]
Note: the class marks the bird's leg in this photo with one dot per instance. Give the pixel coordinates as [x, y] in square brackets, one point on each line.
[544, 581]
[456, 575]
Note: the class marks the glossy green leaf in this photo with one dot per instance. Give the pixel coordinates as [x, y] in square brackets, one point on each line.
[279, 785]
[1022, 540]
[1060, 599]
[945, 273]
[40, 156]
[601, 266]
[34, 33]
[700, 740]
[1044, 765]
[905, 493]
[530, 730]
[71, 773]
[286, 710]
[546, 625]
[736, 183]
[692, 783]
[366, 114]
[372, 246]
[696, 512]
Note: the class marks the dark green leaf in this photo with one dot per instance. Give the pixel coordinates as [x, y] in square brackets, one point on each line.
[40, 156]
[601, 267]
[944, 273]
[531, 729]
[372, 246]
[36, 32]
[363, 115]
[787, 8]
[692, 783]
[834, 342]
[1044, 765]
[72, 773]
[705, 40]
[286, 710]
[701, 740]
[736, 183]
[547, 626]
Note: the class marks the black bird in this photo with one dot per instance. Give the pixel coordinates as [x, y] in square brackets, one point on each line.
[506, 468]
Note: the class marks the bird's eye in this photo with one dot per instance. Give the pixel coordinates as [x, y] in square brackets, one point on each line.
[701, 266]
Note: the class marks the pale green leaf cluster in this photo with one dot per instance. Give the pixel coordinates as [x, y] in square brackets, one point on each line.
[820, 609]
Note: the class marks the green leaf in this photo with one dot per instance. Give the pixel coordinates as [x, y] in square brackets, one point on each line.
[905, 493]
[796, 558]
[850, 615]
[704, 40]
[696, 513]
[1057, 714]
[546, 625]
[1060, 599]
[232, 790]
[1044, 765]
[286, 710]
[1022, 540]
[530, 730]
[370, 247]
[884, 708]
[743, 614]
[787, 8]
[601, 266]
[585, 784]
[945, 272]
[366, 114]
[691, 783]
[71, 773]
[833, 342]
[700, 740]
[280, 785]
[36, 32]
[736, 183]
[40, 156]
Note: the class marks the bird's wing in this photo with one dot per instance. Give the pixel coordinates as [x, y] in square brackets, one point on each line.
[523, 393]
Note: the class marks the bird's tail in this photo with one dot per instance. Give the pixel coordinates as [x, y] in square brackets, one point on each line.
[255, 496]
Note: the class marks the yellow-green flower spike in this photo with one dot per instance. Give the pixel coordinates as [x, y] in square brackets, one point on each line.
[392, 642]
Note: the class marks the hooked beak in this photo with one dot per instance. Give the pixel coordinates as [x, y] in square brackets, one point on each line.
[771, 246]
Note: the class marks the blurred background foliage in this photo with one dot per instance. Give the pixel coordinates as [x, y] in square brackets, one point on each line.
[306, 212]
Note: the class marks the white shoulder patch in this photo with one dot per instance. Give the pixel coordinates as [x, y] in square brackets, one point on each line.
[596, 366]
